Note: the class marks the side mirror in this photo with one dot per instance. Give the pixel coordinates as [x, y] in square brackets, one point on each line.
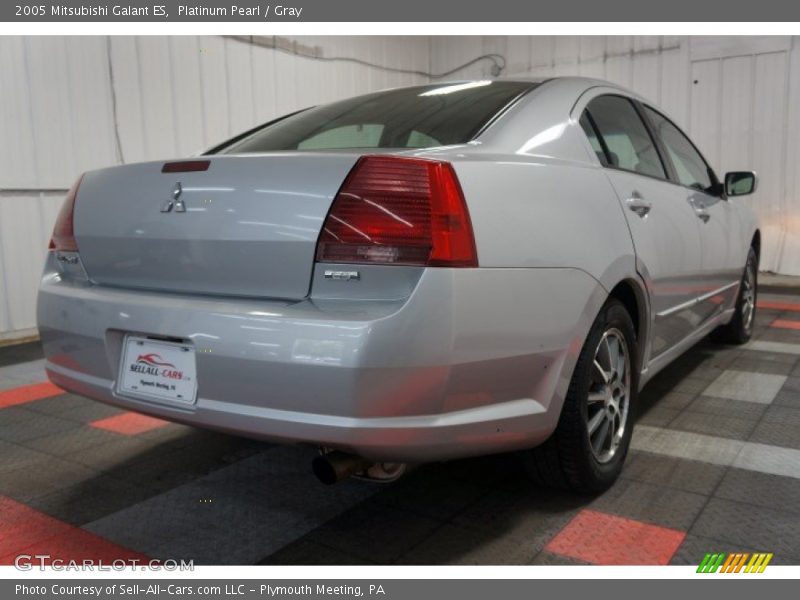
[740, 183]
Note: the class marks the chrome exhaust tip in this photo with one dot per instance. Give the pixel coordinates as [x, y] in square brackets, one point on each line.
[335, 466]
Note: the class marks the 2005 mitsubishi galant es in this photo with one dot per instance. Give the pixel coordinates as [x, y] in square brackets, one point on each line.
[412, 275]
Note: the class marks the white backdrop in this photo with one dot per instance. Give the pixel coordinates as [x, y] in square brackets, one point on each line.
[68, 104]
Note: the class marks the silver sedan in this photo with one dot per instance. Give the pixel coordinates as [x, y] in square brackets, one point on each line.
[416, 274]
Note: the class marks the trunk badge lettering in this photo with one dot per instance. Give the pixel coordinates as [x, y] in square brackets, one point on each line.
[343, 275]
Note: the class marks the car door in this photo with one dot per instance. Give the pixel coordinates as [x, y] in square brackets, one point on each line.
[663, 224]
[718, 219]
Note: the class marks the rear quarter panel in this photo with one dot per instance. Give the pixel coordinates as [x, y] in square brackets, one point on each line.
[538, 212]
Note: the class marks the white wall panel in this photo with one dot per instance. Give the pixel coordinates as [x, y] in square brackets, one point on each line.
[18, 160]
[789, 258]
[706, 99]
[129, 123]
[675, 80]
[26, 220]
[769, 153]
[187, 88]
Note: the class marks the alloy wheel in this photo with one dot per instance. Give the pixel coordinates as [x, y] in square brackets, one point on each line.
[748, 296]
[608, 401]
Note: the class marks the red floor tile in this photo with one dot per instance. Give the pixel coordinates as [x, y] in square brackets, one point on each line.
[785, 324]
[129, 423]
[24, 530]
[769, 305]
[603, 539]
[28, 393]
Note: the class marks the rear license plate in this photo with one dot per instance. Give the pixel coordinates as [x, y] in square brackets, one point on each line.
[156, 369]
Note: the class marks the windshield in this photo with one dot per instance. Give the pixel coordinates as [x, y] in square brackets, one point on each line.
[416, 117]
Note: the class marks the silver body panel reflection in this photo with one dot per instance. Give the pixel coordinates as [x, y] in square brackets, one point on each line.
[390, 362]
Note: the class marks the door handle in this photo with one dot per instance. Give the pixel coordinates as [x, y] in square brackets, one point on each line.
[639, 205]
[702, 214]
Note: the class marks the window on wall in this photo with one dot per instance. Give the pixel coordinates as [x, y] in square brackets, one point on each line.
[626, 138]
[690, 168]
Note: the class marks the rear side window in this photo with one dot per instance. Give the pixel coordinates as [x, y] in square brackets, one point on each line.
[594, 140]
[690, 168]
[625, 136]
[418, 117]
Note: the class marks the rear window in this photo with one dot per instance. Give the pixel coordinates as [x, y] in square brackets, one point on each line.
[418, 117]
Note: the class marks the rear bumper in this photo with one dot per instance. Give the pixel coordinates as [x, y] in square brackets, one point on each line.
[474, 361]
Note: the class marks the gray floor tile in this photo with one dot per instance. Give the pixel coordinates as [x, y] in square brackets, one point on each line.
[424, 493]
[42, 425]
[453, 545]
[90, 500]
[305, 552]
[32, 481]
[775, 334]
[761, 489]
[654, 504]
[674, 400]
[788, 399]
[687, 475]
[550, 559]
[780, 426]
[25, 372]
[60, 405]
[714, 424]
[764, 530]
[725, 407]
[756, 365]
[374, 532]
[777, 347]
[761, 356]
[746, 386]
[73, 440]
[532, 513]
[657, 416]
[694, 548]
[115, 457]
[238, 514]
[14, 457]
[13, 417]
[791, 386]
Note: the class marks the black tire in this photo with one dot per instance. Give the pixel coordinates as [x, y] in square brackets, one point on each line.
[740, 328]
[567, 460]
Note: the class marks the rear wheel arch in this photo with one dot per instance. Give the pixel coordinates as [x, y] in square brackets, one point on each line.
[755, 244]
[633, 297]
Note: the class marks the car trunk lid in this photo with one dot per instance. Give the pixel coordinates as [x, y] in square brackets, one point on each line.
[247, 225]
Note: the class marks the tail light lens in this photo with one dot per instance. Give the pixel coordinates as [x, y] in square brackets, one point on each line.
[64, 231]
[402, 211]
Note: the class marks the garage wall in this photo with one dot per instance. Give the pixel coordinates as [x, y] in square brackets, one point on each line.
[60, 115]
[738, 97]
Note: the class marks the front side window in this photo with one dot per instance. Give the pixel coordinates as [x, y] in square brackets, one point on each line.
[416, 117]
[690, 168]
[626, 139]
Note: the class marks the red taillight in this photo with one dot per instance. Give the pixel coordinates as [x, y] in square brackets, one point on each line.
[64, 232]
[397, 210]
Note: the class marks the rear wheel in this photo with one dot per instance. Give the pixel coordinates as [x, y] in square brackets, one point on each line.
[740, 328]
[588, 448]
